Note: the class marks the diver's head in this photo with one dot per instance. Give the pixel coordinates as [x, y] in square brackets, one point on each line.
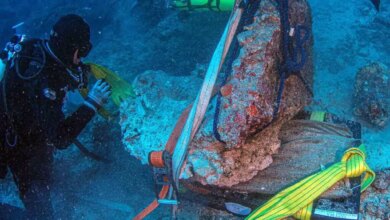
[70, 39]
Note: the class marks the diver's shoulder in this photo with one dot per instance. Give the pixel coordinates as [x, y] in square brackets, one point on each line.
[30, 47]
[32, 42]
[30, 60]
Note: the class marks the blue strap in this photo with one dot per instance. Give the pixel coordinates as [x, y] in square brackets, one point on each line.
[294, 57]
[291, 53]
[250, 9]
[218, 104]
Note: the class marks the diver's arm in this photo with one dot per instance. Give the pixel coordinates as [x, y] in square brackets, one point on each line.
[72, 126]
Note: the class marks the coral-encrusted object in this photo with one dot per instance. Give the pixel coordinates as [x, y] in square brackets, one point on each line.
[255, 82]
[372, 94]
[247, 102]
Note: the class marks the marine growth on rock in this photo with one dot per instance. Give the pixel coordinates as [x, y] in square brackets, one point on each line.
[246, 105]
[372, 94]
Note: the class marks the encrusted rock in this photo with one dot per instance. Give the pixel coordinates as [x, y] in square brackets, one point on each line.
[375, 202]
[247, 104]
[148, 120]
[248, 99]
[372, 94]
[307, 147]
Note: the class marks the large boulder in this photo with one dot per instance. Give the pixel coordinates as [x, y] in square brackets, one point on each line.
[248, 99]
[249, 133]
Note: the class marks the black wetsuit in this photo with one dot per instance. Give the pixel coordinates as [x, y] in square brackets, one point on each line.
[35, 109]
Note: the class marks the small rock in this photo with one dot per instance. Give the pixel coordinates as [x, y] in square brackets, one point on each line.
[375, 201]
[372, 94]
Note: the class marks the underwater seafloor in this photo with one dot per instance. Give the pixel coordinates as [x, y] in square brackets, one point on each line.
[347, 36]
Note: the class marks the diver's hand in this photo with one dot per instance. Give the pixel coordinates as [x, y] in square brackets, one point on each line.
[98, 95]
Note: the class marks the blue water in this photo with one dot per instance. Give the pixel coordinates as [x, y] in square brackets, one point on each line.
[130, 40]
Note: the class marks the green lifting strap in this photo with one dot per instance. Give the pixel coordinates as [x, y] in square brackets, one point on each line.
[318, 116]
[213, 5]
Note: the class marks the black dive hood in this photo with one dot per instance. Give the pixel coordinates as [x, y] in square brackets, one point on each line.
[70, 33]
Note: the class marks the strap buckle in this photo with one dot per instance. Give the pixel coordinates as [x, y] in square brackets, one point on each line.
[163, 176]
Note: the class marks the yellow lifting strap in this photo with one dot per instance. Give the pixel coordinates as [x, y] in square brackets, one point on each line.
[214, 5]
[121, 90]
[297, 200]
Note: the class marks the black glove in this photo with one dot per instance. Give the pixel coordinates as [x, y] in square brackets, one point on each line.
[98, 95]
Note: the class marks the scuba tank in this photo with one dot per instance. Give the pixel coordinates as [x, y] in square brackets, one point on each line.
[12, 47]
[2, 69]
[213, 5]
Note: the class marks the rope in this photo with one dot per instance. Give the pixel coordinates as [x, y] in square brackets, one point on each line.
[291, 66]
[297, 200]
[88, 153]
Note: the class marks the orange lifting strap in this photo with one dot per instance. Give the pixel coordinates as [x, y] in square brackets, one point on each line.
[170, 146]
[156, 159]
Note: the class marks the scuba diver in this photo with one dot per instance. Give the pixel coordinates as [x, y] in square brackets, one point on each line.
[38, 75]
